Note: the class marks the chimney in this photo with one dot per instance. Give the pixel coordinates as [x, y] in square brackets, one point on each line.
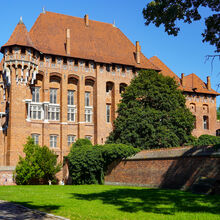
[208, 83]
[68, 41]
[183, 80]
[86, 18]
[138, 53]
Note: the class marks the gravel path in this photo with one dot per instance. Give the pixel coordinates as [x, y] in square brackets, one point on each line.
[11, 211]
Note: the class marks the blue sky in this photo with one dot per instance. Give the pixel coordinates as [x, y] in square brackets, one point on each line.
[182, 54]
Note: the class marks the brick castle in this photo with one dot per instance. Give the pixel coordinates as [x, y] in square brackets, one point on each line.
[63, 79]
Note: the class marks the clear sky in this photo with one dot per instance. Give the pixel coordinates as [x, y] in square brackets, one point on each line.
[182, 54]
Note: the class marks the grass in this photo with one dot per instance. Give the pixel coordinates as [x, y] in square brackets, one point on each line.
[114, 202]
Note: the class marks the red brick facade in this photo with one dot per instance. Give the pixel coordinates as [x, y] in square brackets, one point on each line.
[62, 81]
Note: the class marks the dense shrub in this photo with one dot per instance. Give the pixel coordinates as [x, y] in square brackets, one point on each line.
[88, 164]
[204, 140]
[82, 142]
[38, 166]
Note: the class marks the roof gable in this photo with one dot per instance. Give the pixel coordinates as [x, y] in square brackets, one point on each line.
[20, 36]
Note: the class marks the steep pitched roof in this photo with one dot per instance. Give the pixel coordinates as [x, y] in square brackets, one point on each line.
[164, 69]
[194, 84]
[99, 41]
[20, 36]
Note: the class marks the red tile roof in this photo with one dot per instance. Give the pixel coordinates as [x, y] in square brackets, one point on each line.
[192, 82]
[20, 36]
[99, 41]
[164, 69]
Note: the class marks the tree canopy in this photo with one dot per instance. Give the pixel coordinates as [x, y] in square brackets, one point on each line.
[167, 12]
[38, 166]
[152, 113]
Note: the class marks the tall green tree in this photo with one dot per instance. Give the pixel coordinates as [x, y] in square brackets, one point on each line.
[168, 12]
[38, 166]
[152, 113]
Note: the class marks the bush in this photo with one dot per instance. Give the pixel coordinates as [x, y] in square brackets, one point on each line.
[88, 164]
[204, 140]
[82, 142]
[38, 166]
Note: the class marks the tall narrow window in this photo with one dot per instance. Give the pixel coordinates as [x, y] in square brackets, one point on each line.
[71, 114]
[88, 115]
[36, 138]
[53, 141]
[53, 96]
[205, 122]
[71, 139]
[108, 112]
[35, 94]
[87, 98]
[70, 97]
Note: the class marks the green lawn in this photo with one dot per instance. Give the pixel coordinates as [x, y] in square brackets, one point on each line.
[114, 202]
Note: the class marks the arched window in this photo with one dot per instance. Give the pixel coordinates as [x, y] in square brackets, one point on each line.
[205, 108]
[205, 122]
[122, 87]
[192, 107]
[109, 87]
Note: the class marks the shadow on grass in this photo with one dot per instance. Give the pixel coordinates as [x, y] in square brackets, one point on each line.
[155, 201]
[17, 210]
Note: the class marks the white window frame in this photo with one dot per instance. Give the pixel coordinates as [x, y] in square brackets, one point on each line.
[71, 139]
[36, 111]
[88, 114]
[35, 138]
[36, 94]
[70, 97]
[53, 96]
[87, 99]
[108, 113]
[53, 140]
[54, 112]
[71, 114]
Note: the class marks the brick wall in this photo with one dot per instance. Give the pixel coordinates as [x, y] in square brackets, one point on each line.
[173, 168]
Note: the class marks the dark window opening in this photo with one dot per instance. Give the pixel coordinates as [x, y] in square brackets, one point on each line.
[10, 50]
[205, 122]
[113, 67]
[108, 68]
[76, 62]
[64, 60]
[22, 50]
[41, 57]
[123, 69]
[87, 64]
[53, 59]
